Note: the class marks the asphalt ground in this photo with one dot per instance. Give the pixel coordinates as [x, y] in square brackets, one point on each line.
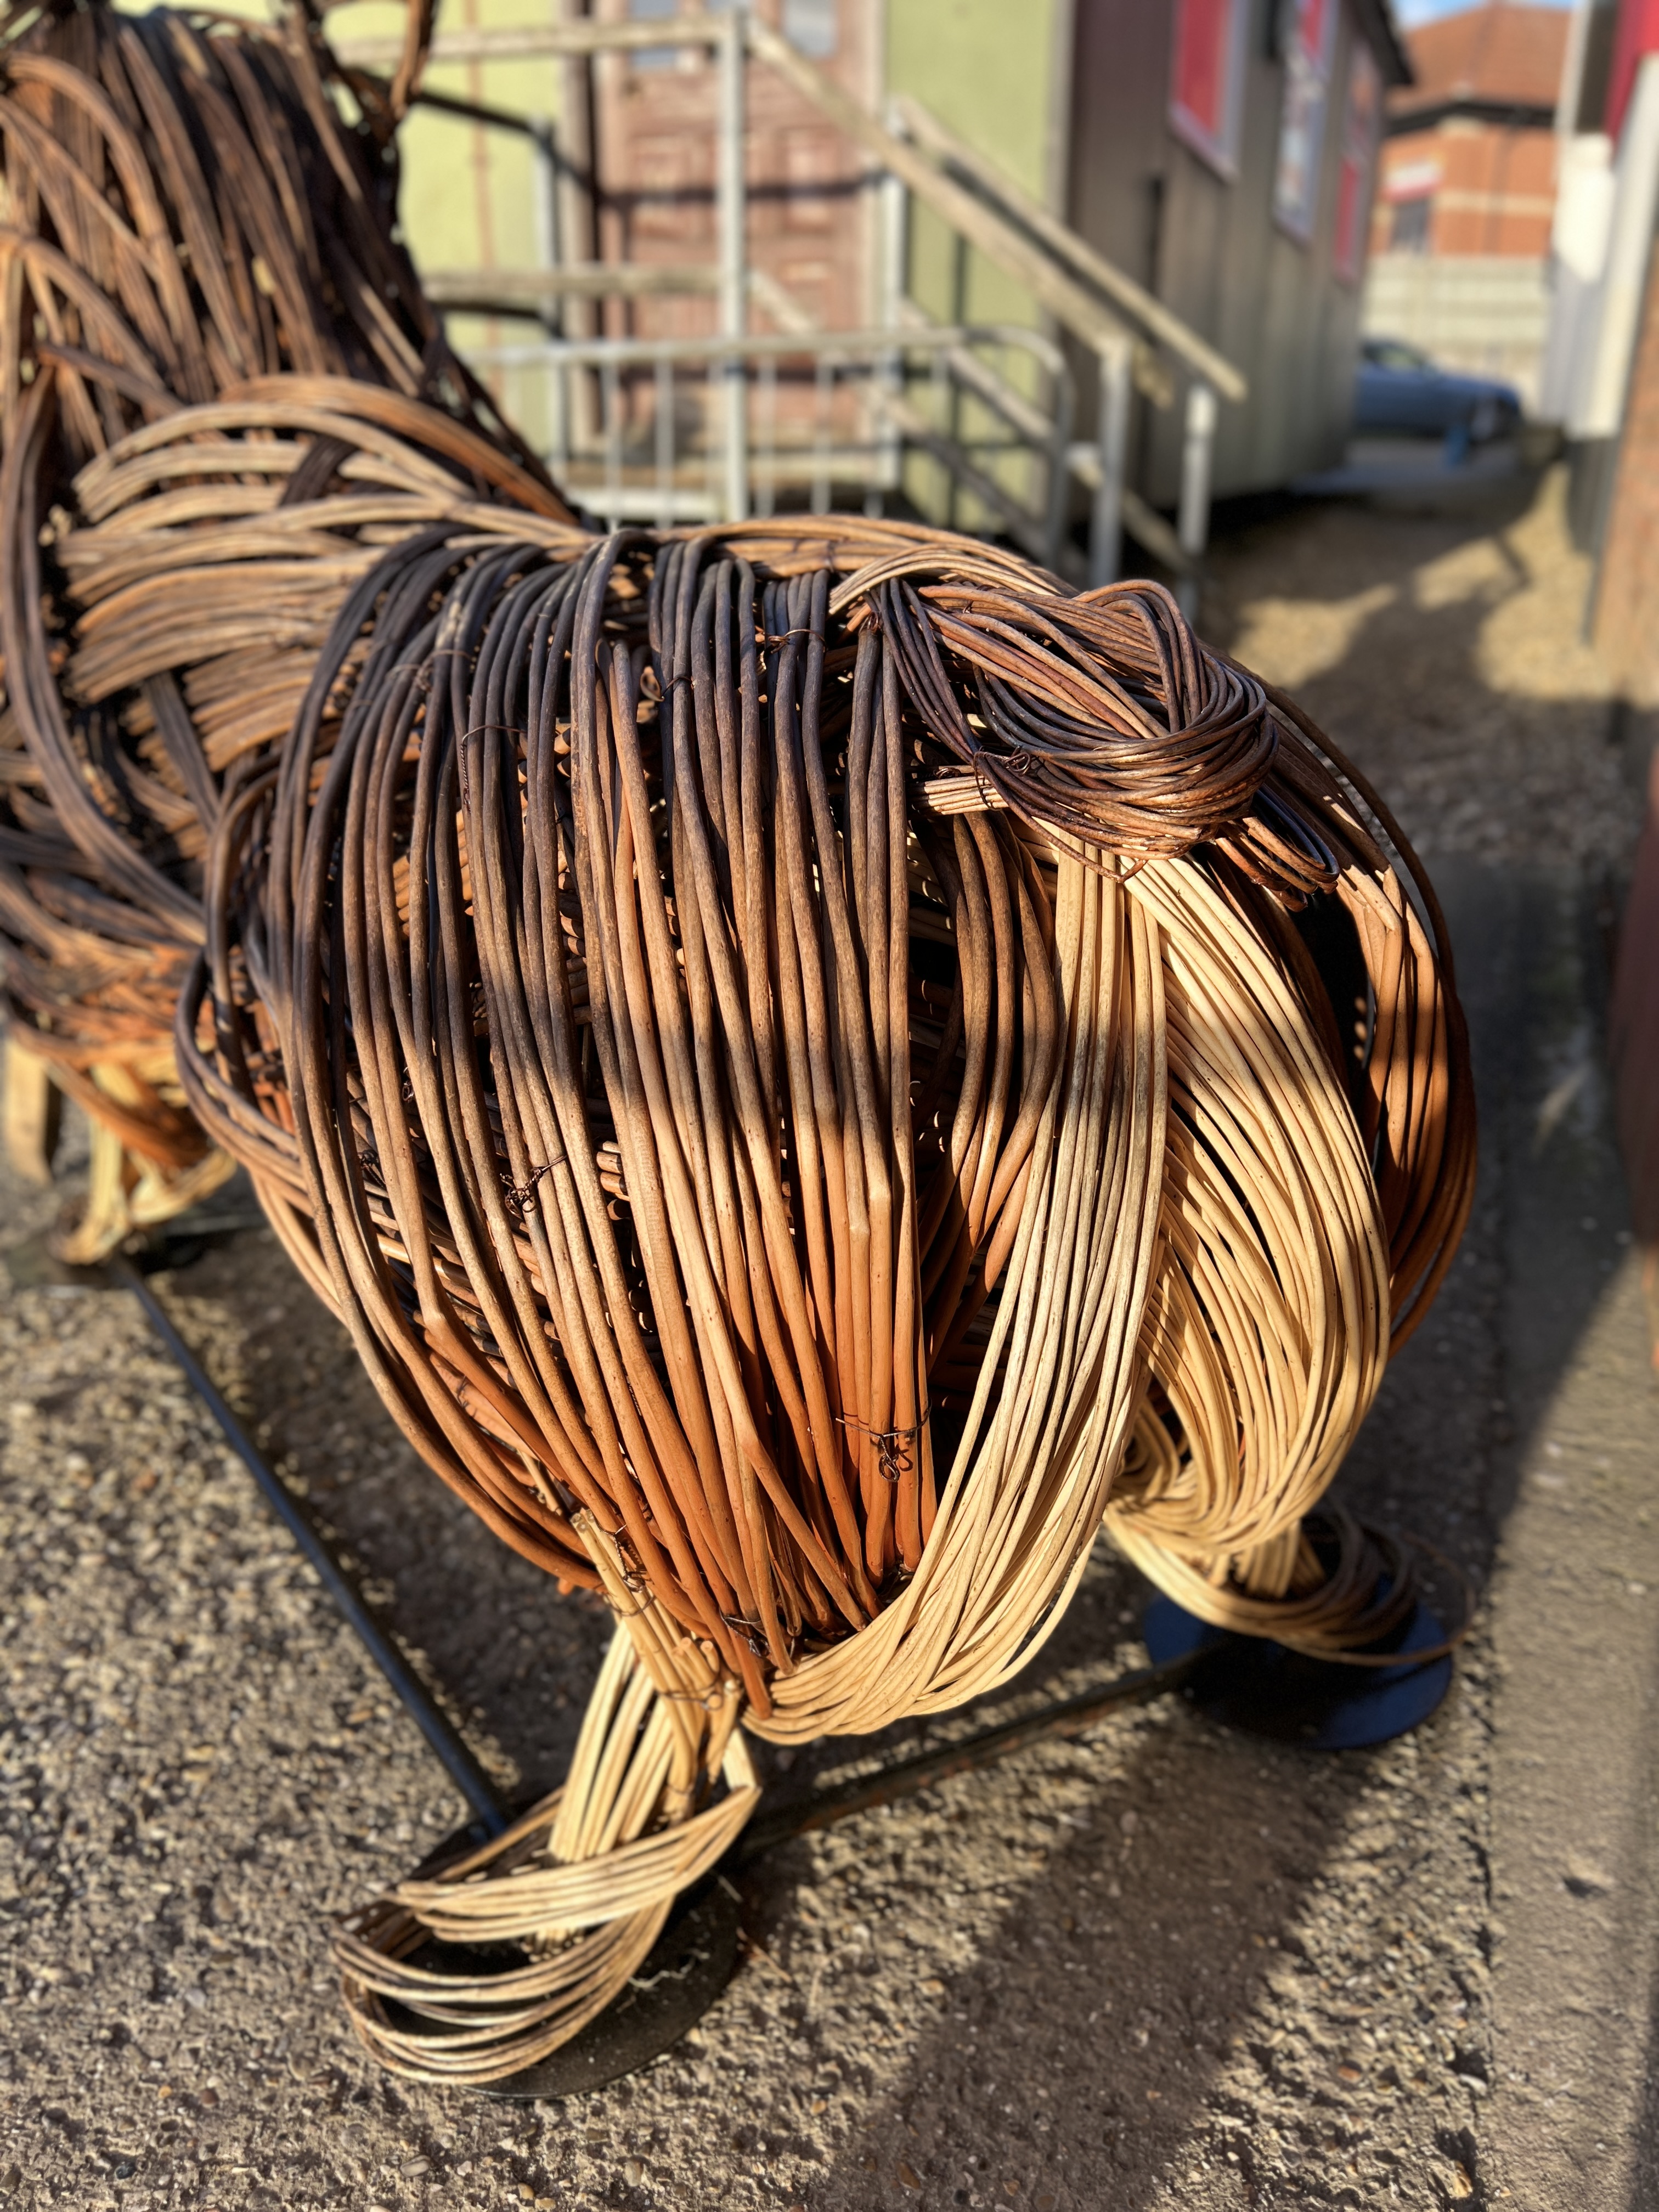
[1163, 1965]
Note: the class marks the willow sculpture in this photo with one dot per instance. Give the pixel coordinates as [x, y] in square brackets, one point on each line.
[186, 214]
[818, 1063]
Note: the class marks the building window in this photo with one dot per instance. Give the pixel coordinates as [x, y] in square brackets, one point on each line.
[810, 28]
[653, 11]
[1206, 79]
[1312, 38]
[1362, 120]
[1408, 232]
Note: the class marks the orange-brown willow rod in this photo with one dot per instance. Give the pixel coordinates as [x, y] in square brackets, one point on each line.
[664, 1043]
[188, 214]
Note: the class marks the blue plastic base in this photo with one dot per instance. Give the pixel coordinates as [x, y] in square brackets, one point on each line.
[1266, 1690]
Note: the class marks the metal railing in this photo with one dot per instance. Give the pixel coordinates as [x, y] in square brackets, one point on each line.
[883, 401]
[744, 465]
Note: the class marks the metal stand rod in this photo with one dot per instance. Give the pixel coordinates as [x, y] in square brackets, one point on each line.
[463, 1770]
[1106, 525]
[1069, 1717]
[730, 209]
[1192, 520]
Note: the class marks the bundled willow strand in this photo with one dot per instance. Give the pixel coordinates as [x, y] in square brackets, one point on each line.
[781, 1182]
[817, 1063]
[214, 552]
[184, 214]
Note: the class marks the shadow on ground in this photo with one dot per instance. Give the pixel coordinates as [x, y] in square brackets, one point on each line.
[1162, 1966]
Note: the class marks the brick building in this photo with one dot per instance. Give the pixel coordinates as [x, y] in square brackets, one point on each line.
[1219, 154]
[1468, 154]
[1465, 192]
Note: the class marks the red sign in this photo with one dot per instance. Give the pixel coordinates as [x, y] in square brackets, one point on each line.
[1361, 117]
[1207, 78]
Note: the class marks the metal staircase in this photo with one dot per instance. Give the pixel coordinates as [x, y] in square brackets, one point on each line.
[975, 423]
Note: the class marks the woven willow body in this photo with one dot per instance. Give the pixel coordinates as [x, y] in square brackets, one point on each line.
[786, 1188]
[818, 1065]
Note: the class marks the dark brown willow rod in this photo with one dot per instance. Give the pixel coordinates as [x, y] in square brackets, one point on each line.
[641, 1022]
[657, 1078]
[188, 212]
[755, 1428]
[813, 1059]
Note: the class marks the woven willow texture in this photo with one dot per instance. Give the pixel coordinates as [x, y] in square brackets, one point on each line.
[185, 213]
[777, 1180]
[817, 1063]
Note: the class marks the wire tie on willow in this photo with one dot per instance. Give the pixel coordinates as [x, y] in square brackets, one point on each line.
[654, 691]
[425, 670]
[519, 1198]
[890, 1466]
[632, 1613]
[712, 1700]
[750, 1631]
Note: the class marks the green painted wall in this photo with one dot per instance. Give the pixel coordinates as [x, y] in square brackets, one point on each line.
[986, 69]
[958, 58]
[467, 193]
[961, 58]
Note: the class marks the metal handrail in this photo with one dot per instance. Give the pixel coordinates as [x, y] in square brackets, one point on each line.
[1132, 336]
[878, 351]
[1098, 327]
[638, 353]
[1156, 321]
[996, 239]
[538, 42]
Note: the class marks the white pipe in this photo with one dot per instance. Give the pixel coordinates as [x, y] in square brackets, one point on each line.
[1106, 534]
[1636, 194]
[730, 198]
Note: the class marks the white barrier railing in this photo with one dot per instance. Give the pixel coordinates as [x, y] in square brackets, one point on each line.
[1137, 344]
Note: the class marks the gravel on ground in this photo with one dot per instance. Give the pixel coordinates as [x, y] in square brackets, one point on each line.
[1162, 1966]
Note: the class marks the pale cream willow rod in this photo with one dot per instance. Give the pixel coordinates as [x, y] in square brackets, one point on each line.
[1268, 1324]
[1018, 1515]
[584, 1880]
[521, 880]
[1025, 1497]
[1022, 1504]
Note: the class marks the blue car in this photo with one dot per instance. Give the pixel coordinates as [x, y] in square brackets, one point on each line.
[1399, 392]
